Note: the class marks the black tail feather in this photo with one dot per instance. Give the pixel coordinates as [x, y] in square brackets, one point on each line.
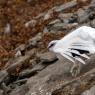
[80, 51]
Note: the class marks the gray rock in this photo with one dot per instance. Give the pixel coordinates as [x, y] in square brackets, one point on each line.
[1, 92]
[81, 14]
[73, 19]
[48, 15]
[62, 26]
[17, 91]
[7, 28]
[93, 23]
[65, 15]
[19, 61]
[36, 38]
[31, 23]
[56, 78]
[18, 53]
[41, 15]
[91, 91]
[66, 6]
[21, 47]
[57, 75]
[35, 69]
[57, 27]
[33, 42]
[44, 58]
[45, 30]
[55, 21]
[49, 79]
[3, 75]
[47, 57]
[86, 14]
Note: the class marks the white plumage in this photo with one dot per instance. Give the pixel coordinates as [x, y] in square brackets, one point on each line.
[75, 45]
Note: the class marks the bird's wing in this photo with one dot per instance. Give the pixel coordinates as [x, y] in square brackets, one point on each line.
[79, 44]
[85, 56]
[77, 52]
[80, 60]
[69, 56]
[79, 55]
[90, 47]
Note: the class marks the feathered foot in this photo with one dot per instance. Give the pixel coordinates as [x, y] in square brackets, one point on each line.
[75, 70]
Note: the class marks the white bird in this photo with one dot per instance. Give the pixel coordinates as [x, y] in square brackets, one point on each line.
[75, 45]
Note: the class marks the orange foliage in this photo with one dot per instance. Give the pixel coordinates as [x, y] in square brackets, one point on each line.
[17, 13]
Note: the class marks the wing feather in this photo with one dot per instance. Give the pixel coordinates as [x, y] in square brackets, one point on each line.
[91, 49]
[68, 57]
[76, 52]
[85, 56]
[84, 45]
[80, 60]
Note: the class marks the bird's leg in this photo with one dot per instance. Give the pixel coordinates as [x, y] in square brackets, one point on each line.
[75, 70]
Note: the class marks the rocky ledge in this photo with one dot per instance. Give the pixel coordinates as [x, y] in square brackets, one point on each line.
[33, 70]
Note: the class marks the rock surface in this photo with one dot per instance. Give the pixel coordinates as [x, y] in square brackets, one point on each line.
[91, 91]
[33, 70]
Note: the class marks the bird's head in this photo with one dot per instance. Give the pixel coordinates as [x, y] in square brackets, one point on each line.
[52, 44]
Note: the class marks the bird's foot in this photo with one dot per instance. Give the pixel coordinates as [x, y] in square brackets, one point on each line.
[75, 70]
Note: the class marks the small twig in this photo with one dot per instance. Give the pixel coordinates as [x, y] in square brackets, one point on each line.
[4, 88]
[21, 81]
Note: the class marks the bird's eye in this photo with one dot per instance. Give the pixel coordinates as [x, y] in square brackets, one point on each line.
[51, 45]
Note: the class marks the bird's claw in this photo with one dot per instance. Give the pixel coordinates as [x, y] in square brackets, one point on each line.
[75, 70]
